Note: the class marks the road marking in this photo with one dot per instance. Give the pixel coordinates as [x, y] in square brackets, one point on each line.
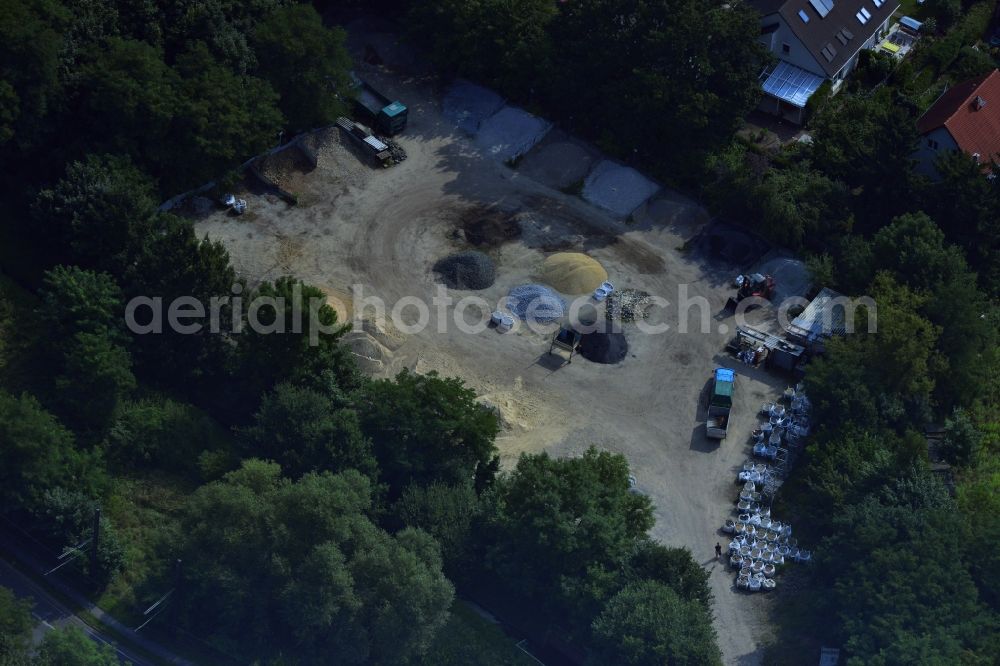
[42, 620]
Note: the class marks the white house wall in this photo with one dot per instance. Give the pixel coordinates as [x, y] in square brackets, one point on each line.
[798, 54]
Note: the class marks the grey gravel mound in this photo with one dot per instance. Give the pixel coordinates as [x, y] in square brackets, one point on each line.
[535, 302]
[619, 189]
[790, 275]
[468, 105]
[466, 270]
[604, 347]
[510, 132]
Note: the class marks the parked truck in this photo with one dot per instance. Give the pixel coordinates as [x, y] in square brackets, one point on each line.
[387, 116]
[720, 403]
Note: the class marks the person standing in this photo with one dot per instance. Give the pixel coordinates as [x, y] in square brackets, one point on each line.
[718, 550]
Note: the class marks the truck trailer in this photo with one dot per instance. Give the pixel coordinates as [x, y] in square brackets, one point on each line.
[388, 117]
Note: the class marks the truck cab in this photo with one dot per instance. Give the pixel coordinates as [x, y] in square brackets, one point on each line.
[720, 403]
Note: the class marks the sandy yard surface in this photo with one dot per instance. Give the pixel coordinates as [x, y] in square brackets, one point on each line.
[384, 229]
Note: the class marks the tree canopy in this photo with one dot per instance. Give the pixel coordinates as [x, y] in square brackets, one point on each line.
[307, 64]
[427, 428]
[273, 564]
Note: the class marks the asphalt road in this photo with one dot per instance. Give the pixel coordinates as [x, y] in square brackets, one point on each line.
[50, 614]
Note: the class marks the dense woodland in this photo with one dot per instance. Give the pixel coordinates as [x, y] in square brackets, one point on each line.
[320, 513]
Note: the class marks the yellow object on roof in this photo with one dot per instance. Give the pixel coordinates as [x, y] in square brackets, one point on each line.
[890, 47]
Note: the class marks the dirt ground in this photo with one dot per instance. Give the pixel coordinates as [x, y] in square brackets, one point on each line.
[384, 229]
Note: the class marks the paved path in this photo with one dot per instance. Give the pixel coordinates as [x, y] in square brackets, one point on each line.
[51, 612]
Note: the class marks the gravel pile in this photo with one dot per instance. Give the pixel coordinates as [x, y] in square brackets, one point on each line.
[285, 168]
[628, 305]
[573, 272]
[510, 132]
[604, 347]
[468, 105]
[535, 302]
[617, 188]
[559, 161]
[466, 270]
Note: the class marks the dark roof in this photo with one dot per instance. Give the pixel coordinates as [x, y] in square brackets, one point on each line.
[971, 113]
[820, 34]
[766, 7]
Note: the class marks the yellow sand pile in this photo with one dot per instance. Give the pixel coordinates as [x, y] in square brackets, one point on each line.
[573, 273]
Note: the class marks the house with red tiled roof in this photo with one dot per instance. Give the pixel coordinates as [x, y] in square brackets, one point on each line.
[966, 118]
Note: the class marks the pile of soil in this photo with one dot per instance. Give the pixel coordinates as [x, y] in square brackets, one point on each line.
[466, 270]
[286, 168]
[489, 229]
[371, 356]
[604, 347]
[628, 305]
[573, 273]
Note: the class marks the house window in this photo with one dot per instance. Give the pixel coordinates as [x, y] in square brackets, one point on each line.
[803, 16]
[861, 18]
[785, 48]
[879, 3]
[932, 144]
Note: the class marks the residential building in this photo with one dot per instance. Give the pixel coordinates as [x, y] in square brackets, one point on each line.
[815, 41]
[966, 118]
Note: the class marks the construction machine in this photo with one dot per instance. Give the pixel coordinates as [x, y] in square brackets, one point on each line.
[753, 285]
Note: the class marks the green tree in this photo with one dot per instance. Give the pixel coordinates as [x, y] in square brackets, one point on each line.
[945, 11]
[100, 212]
[200, 364]
[899, 577]
[304, 430]
[426, 429]
[276, 567]
[10, 108]
[883, 377]
[914, 249]
[67, 517]
[221, 119]
[306, 62]
[648, 623]
[673, 567]
[970, 203]
[972, 63]
[31, 41]
[447, 513]
[96, 376]
[650, 62]
[292, 335]
[502, 43]
[69, 646]
[559, 530]
[961, 438]
[16, 626]
[39, 454]
[800, 208]
[74, 300]
[868, 143]
[161, 433]
[128, 97]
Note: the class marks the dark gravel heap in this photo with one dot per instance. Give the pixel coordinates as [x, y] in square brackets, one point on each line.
[604, 347]
[466, 270]
[396, 151]
[489, 229]
[628, 305]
